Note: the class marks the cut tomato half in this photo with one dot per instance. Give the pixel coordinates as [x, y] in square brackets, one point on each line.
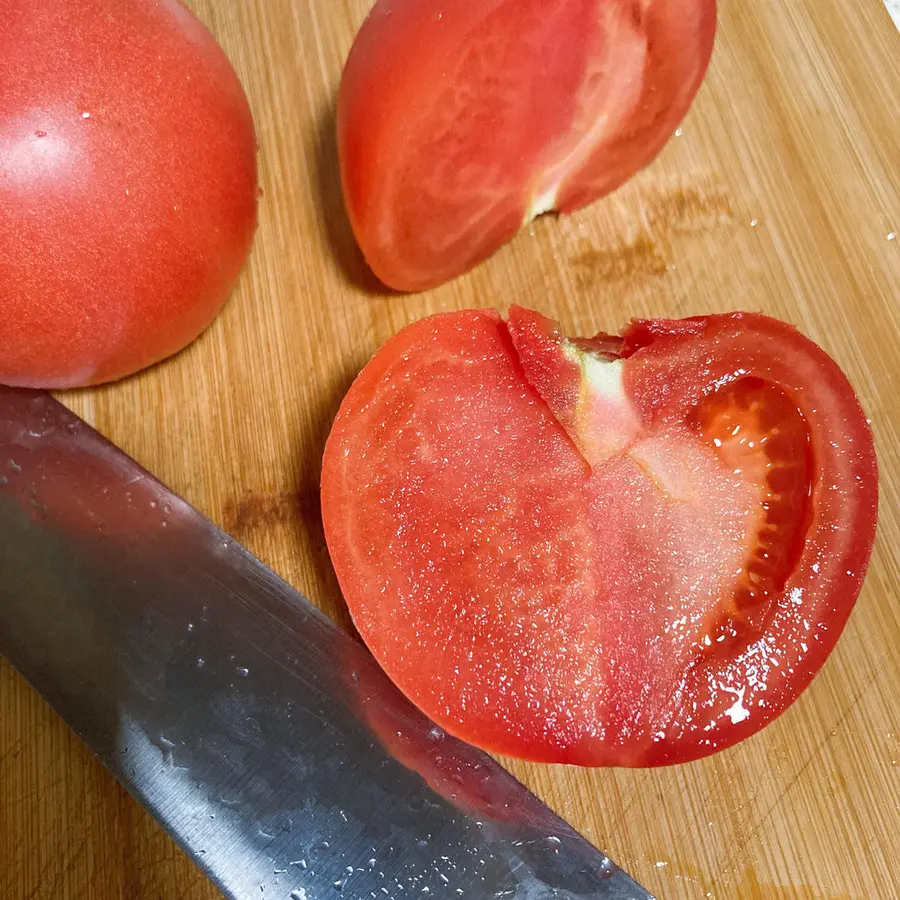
[619, 551]
[459, 121]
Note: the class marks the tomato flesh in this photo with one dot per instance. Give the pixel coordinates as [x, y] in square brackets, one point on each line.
[639, 607]
[518, 107]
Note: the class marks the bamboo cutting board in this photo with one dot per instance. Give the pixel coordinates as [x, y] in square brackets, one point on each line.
[779, 194]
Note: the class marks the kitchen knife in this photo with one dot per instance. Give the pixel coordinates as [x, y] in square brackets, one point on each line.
[263, 738]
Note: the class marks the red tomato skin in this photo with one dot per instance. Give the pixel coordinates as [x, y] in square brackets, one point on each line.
[128, 187]
[717, 701]
[417, 218]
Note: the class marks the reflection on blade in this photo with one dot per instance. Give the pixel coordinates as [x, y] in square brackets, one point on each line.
[264, 739]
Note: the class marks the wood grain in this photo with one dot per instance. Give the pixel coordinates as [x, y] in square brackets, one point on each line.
[778, 195]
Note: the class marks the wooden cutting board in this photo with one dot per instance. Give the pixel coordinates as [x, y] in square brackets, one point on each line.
[779, 194]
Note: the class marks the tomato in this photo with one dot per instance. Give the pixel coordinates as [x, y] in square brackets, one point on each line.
[128, 186]
[459, 121]
[621, 551]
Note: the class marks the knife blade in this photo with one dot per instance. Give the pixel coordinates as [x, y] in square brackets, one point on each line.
[265, 739]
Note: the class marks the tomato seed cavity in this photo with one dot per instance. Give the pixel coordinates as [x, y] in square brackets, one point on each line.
[759, 433]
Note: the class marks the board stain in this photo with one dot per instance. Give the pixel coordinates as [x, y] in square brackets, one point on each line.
[640, 256]
[665, 212]
[258, 512]
[751, 888]
[700, 206]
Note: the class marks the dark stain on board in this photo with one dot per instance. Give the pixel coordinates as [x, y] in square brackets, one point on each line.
[259, 512]
[688, 208]
[640, 256]
[648, 252]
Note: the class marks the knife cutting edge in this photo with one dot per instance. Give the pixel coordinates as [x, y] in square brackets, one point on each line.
[263, 738]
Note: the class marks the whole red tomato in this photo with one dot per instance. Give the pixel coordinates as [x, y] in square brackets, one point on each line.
[128, 186]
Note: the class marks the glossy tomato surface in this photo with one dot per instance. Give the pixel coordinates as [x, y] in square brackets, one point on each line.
[459, 121]
[621, 551]
[128, 186]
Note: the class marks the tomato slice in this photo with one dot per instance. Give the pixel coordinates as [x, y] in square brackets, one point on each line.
[459, 121]
[640, 565]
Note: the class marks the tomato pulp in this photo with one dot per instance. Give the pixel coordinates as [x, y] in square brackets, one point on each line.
[128, 186]
[459, 121]
[620, 551]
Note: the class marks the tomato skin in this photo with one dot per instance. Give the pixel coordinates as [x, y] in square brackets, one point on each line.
[128, 187]
[445, 475]
[446, 152]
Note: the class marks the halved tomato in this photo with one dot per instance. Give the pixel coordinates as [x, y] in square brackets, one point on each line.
[459, 121]
[620, 551]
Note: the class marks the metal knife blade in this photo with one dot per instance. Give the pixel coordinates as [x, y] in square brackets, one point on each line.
[264, 739]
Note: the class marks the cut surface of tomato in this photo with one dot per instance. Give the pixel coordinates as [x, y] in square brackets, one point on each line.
[516, 108]
[631, 551]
